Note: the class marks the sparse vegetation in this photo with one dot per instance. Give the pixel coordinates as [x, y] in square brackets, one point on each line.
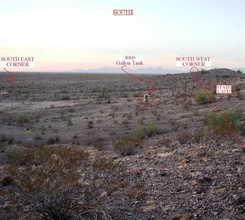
[125, 95]
[219, 124]
[126, 146]
[65, 97]
[183, 137]
[202, 98]
[151, 129]
[169, 144]
[146, 131]
[138, 133]
[90, 124]
[3, 138]
[53, 140]
[6, 180]
[99, 144]
[69, 122]
[22, 118]
[65, 184]
[166, 142]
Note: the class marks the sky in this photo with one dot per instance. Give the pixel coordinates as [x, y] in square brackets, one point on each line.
[83, 34]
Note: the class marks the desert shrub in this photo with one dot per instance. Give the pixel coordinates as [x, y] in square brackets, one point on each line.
[3, 138]
[69, 122]
[100, 95]
[202, 98]
[64, 91]
[219, 125]
[65, 183]
[6, 180]
[99, 144]
[203, 71]
[90, 124]
[166, 142]
[137, 94]
[151, 129]
[199, 135]
[65, 97]
[125, 95]
[22, 118]
[53, 140]
[52, 189]
[147, 131]
[138, 133]
[16, 157]
[25, 91]
[126, 146]
[184, 137]
[10, 140]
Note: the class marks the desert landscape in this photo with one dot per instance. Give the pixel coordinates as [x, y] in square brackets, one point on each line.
[81, 146]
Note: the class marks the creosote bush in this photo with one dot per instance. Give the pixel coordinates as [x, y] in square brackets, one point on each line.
[151, 129]
[202, 98]
[138, 133]
[166, 142]
[126, 146]
[147, 131]
[22, 118]
[219, 125]
[65, 97]
[184, 137]
[65, 183]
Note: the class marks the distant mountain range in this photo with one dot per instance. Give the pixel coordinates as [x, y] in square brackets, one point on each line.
[111, 70]
[157, 70]
[106, 69]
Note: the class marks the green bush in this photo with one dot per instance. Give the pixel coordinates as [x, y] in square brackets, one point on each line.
[219, 125]
[22, 118]
[125, 95]
[202, 98]
[148, 130]
[138, 133]
[151, 129]
[65, 97]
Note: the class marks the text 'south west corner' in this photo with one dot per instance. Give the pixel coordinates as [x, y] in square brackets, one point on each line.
[193, 61]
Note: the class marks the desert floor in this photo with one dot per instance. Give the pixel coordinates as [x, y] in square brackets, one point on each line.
[188, 169]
